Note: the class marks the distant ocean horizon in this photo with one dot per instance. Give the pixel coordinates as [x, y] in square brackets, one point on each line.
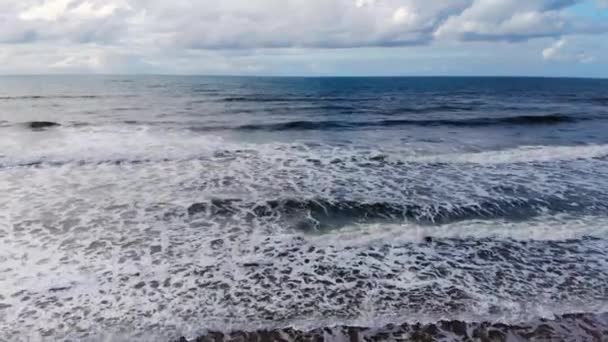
[309, 76]
[156, 207]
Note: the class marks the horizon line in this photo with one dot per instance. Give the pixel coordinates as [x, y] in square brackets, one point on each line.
[295, 76]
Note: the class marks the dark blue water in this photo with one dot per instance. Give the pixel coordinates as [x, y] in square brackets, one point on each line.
[153, 207]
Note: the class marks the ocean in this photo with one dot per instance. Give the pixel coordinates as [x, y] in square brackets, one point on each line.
[153, 208]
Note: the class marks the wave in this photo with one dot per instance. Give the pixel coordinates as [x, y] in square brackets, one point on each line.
[337, 103]
[84, 151]
[595, 100]
[602, 101]
[54, 97]
[522, 154]
[321, 214]
[307, 99]
[524, 120]
[304, 125]
[543, 228]
[41, 125]
[434, 109]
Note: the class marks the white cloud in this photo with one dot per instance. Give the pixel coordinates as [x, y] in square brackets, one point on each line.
[561, 51]
[231, 24]
[53, 10]
[294, 23]
[90, 10]
[514, 20]
[49, 10]
[552, 52]
[404, 16]
[178, 26]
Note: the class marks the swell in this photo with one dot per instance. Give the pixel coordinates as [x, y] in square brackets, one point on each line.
[523, 120]
[602, 101]
[321, 214]
[594, 100]
[345, 103]
[599, 100]
[56, 97]
[307, 99]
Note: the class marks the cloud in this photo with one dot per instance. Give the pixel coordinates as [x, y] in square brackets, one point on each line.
[76, 21]
[553, 51]
[244, 24]
[156, 29]
[49, 10]
[53, 10]
[514, 20]
[559, 51]
[233, 24]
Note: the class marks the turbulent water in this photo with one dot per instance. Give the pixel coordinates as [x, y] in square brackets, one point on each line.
[151, 208]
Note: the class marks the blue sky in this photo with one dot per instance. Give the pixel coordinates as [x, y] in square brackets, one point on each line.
[306, 37]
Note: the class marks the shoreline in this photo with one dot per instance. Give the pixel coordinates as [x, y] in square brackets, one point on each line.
[578, 326]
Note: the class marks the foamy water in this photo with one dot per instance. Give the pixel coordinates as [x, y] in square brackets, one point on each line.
[151, 231]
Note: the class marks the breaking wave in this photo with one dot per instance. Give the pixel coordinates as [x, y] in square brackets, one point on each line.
[319, 214]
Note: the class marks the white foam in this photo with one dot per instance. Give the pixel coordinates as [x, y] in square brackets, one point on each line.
[110, 143]
[102, 144]
[80, 238]
[543, 228]
[523, 154]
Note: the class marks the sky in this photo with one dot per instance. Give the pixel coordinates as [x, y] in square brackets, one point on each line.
[305, 37]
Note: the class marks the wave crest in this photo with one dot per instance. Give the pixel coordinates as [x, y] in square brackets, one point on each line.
[321, 214]
[524, 120]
